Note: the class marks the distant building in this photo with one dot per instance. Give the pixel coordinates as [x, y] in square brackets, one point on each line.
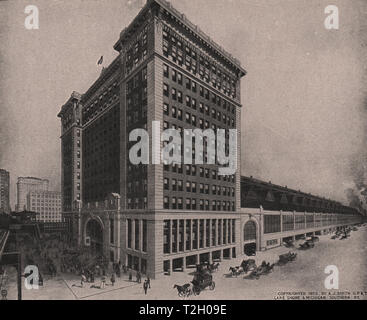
[4, 191]
[47, 204]
[26, 185]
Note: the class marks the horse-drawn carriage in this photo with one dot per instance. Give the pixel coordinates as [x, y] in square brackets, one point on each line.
[201, 281]
[308, 244]
[289, 243]
[287, 257]
[315, 239]
[263, 269]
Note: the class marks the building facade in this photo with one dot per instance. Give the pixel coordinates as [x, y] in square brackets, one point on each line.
[71, 161]
[155, 217]
[47, 204]
[272, 214]
[4, 191]
[26, 185]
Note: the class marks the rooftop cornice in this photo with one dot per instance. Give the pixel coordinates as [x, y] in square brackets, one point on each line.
[74, 96]
[188, 24]
[105, 74]
[290, 191]
[33, 178]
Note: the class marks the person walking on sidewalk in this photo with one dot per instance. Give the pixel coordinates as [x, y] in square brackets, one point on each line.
[145, 287]
[113, 279]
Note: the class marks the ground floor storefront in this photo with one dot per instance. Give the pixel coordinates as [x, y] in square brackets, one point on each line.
[305, 276]
[156, 243]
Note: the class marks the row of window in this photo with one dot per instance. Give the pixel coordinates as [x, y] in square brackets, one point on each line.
[177, 113]
[177, 185]
[137, 52]
[181, 52]
[181, 235]
[177, 77]
[137, 234]
[177, 203]
[272, 223]
[137, 203]
[105, 100]
[203, 172]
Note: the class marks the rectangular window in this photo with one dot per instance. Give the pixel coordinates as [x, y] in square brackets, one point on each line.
[180, 187]
[188, 235]
[181, 235]
[174, 236]
[271, 223]
[166, 184]
[188, 204]
[166, 90]
[201, 233]
[233, 231]
[137, 234]
[166, 109]
[174, 75]
[145, 235]
[288, 222]
[195, 234]
[174, 185]
[214, 242]
[166, 203]
[165, 71]
[166, 236]
[129, 233]
[112, 231]
[174, 203]
[180, 203]
[174, 94]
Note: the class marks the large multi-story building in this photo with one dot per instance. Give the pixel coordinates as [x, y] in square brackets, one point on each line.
[4, 191]
[47, 204]
[155, 217]
[26, 185]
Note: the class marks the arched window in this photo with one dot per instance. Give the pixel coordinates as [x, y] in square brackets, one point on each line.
[249, 231]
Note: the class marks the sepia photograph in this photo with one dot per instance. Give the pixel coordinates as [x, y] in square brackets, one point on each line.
[185, 151]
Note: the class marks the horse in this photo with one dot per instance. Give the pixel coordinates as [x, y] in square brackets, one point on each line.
[248, 265]
[236, 271]
[213, 267]
[267, 267]
[182, 291]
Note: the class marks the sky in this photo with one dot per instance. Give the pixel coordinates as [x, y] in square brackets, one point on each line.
[304, 97]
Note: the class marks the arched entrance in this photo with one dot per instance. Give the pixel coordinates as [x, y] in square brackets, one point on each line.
[94, 232]
[249, 238]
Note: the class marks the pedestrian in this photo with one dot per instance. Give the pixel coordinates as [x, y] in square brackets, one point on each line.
[145, 286]
[130, 276]
[113, 279]
[103, 282]
[148, 282]
[82, 280]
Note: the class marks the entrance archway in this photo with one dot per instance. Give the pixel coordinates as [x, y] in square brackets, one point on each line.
[249, 238]
[94, 231]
